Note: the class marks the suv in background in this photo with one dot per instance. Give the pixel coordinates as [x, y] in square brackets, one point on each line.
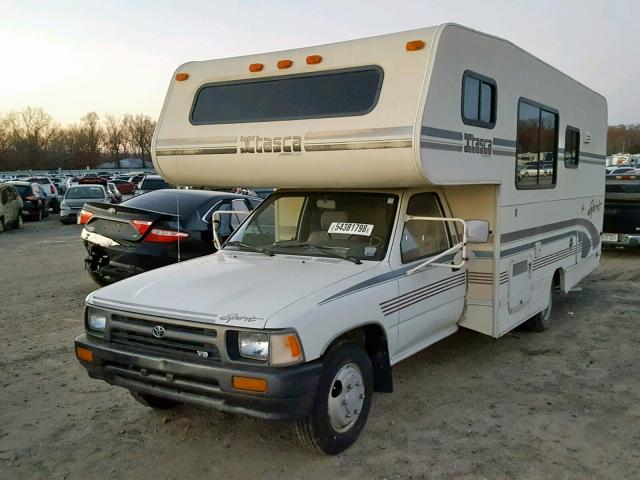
[150, 183]
[34, 201]
[10, 207]
[50, 191]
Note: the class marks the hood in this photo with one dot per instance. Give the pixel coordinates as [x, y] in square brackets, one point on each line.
[231, 288]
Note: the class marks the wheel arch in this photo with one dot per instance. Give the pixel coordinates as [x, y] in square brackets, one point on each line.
[372, 336]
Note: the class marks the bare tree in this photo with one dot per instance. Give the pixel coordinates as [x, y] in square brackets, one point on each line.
[114, 137]
[139, 130]
[29, 130]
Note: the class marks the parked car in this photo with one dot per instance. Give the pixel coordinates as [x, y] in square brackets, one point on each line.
[124, 187]
[10, 207]
[114, 193]
[50, 190]
[156, 229]
[150, 183]
[620, 170]
[34, 200]
[76, 197]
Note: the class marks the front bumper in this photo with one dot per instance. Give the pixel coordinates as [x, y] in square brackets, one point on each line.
[290, 390]
[623, 240]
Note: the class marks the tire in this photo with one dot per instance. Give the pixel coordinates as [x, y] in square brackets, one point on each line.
[97, 277]
[542, 321]
[151, 401]
[19, 222]
[342, 401]
[39, 215]
[56, 207]
[1, 225]
[46, 211]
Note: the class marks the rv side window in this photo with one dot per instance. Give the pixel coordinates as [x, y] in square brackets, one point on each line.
[571, 147]
[334, 93]
[537, 146]
[421, 238]
[478, 100]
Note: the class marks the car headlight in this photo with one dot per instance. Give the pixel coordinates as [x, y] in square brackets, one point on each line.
[63, 204]
[253, 345]
[279, 348]
[96, 319]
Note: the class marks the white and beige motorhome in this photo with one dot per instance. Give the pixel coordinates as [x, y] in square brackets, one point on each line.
[426, 180]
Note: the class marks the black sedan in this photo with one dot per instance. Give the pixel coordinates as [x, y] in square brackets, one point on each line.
[156, 229]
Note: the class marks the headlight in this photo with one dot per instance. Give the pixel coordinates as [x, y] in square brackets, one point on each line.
[63, 205]
[253, 345]
[96, 319]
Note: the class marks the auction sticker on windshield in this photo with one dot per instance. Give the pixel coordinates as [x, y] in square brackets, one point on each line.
[351, 228]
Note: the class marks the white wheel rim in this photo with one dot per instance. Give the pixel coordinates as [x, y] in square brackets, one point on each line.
[346, 397]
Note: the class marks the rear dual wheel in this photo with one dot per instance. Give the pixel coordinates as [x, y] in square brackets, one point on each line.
[342, 402]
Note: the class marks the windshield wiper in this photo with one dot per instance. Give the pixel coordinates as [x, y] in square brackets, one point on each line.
[250, 247]
[331, 251]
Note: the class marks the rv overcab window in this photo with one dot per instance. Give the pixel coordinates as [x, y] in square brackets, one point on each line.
[478, 100]
[571, 147]
[335, 93]
[537, 146]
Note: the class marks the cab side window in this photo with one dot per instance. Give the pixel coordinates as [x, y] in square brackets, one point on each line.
[421, 238]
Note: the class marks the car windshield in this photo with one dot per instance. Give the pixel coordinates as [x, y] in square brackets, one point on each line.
[85, 192]
[351, 225]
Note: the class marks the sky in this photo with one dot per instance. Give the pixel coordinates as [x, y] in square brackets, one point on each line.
[72, 57]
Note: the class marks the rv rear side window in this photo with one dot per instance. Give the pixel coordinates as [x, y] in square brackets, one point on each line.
[537, 146]
[478, 100]
[336, 93]
[571, 147]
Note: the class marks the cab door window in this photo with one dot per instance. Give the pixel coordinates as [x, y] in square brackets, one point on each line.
[421, 238]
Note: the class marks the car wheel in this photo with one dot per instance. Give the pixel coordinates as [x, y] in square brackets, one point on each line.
[152, 401]
[542, 321]
[342, 401]
[19, 222]
[1, 224]
[46, 211]
[99, 278]
[56, 207]
[39, 215]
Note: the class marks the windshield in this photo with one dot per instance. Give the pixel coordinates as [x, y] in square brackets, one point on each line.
[351, 225]
[85, 192]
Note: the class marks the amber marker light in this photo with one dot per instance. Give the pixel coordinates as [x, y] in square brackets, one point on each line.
[249, 384]
[313, 59]
[181, 77]
[284, 63]
[414, 45]
[84, 354]
[294, 346]
[256, 67]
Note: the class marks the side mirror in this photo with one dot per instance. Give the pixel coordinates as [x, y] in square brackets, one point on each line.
[477, 231]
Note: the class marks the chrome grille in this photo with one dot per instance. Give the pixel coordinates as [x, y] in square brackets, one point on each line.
[184, 342]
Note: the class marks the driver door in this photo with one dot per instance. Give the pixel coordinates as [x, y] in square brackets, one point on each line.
[429, 302]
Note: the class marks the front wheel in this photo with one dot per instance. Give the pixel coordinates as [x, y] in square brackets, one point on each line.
[542, 321]
[342, 402]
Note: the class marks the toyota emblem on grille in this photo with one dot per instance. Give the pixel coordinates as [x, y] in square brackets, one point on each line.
[158, 331]
[112, 211]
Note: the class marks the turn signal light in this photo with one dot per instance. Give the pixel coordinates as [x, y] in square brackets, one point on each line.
[294, 346]
[181, 77]
[84, 354]
[85, 216]
[160, 235]
[249, 384]
[313, 59]
[256, 67]
[414, 45]
[284, 63]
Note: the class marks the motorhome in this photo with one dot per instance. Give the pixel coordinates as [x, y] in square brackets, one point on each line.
[402, 214]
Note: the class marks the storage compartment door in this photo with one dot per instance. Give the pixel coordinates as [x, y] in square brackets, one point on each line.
[519, 283]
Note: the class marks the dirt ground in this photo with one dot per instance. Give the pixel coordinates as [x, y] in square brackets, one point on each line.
[561, 404]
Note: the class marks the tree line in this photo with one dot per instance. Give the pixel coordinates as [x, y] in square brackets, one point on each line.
[623, 139]
[32, 139]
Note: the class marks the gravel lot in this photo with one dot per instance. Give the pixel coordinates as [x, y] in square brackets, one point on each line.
[561, 404]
